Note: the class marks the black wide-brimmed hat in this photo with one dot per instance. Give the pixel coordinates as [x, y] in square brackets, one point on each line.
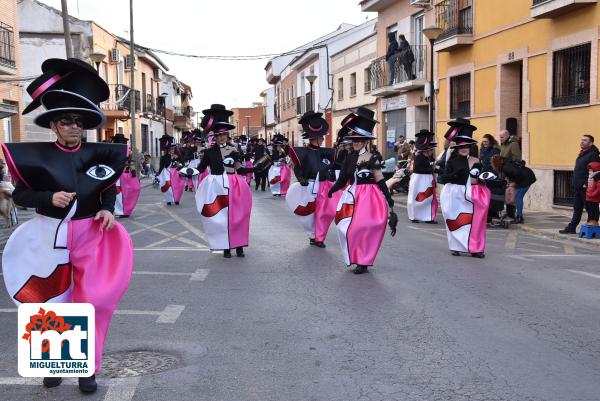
[59, 102]
[342, 136]
[313, 125]
[166, 141]
[277, 139]
[72, 75]
[425, 140]
[216, 119]
[459, 127]
[362, 125]
[120, 138]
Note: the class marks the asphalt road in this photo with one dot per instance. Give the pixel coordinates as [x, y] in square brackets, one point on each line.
[290, 323]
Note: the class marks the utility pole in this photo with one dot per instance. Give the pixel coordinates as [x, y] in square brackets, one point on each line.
[67, 28]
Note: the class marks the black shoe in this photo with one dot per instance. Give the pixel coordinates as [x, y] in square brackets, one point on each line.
[415, 221]
[478, 255]
[431, 222]
[567, 230]
[518, 220]
[455, 253]
[177, 203]
[50, 382]
[227, 254]
[318, 244]
[88, 384]
[239, 252]
[360, 269]
[311, 241]
[168, 203]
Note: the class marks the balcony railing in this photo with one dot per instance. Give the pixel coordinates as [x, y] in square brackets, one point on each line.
[182, 111]
[150, 104]
[454, 17]
[160, 106]
[408, 65]
[300, 105]
[7, 46]
[119, 99]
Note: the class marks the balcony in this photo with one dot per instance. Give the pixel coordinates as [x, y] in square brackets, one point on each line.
[455, 18]
[149, 104]
[118, 104]
[404, 72]
[555, 8]
[8, 65]
[183, 117]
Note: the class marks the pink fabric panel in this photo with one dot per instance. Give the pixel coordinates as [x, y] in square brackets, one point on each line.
[434, 202]
[177, 184]
[102, 266]
[130, 189]
[240, 206]
[367, 227]
[480, 196]
[248, 164]
[325, 210]
[286, 179]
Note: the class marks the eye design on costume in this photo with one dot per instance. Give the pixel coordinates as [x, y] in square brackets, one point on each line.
[100, 172]
[228, 161]
[326, 162]
[364, 173]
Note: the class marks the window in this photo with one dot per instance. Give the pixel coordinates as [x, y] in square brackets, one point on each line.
[571, 76]
[353, 84]
[7, 46]
[460, 96]
[563, 187]
[367, 79]
[340, 88]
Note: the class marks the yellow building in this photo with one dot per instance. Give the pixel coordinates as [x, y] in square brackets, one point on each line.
[534, 61]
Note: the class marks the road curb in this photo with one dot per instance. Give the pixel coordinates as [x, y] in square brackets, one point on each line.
[593, 243]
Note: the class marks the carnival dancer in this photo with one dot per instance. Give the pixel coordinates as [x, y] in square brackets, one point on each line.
[248, 163]
[260, 176]
[171, 183]
[312, 166]
[422, 204]
[224, 199]
[280, 174]
[464, 199]
[128, 185]
[72, 250]
[362, 211]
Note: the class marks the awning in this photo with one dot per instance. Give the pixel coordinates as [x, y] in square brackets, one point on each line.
[8, 109]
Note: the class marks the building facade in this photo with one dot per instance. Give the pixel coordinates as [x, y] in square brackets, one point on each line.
[398, 82]
[11, 105]
[532, 68]
[249, 121]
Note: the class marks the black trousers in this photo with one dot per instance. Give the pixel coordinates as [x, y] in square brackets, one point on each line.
[260, 179]
[578, 205]
[593, 210]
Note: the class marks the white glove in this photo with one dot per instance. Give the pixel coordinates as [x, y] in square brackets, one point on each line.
[474, 172]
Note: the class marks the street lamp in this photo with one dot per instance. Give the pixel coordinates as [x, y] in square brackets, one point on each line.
[98, 58]
[248, 126]
[431, 33]
[311, 80]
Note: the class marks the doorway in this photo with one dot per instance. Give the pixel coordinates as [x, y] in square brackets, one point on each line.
[511, 97]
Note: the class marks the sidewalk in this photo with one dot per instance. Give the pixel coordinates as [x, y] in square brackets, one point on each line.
[544, 224]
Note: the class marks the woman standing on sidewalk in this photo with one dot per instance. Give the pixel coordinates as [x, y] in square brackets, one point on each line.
[362, 211]
[519, 175]
[223, 199]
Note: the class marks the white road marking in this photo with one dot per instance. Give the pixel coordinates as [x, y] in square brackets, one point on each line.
[184, 223]
[585, 273]
[203, 249]
[166, 234]
[141, 230]
[177, 237]
[569, 249]
[168, 315]
[199, 275]
[427, 231]
[511, 240]
[560, 256]
[120, 389]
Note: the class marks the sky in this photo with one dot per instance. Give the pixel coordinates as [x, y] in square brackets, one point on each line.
[224, 27]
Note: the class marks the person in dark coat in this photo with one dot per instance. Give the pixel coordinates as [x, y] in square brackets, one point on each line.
[406, 57]
[390, 55]
[587, 155]
[489, 148]
[260, 177]
[518, 174]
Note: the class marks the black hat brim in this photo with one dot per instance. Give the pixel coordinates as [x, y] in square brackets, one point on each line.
[92, 119]
[455, 124]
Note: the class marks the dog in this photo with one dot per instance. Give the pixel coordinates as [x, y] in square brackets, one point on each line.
[8, 209]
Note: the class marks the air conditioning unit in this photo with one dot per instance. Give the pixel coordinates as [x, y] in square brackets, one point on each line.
[115, 56]
[420, 3]
[158, 74]
[128, 62]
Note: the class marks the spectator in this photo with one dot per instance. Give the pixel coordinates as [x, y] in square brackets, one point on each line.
[402, 148]
[592, 197]
[509, 147]
[390, 56]
[406, 57]
[520, 176]
[489, 149]
[587, 155]
[2, 166]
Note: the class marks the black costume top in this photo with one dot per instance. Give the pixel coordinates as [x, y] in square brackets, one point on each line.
[259, 151]
[312, 160]
[277, 154]
[90, 170]
[166, 161]
[457, 170]
[340, 156]
[214, 159]
[422, 164]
